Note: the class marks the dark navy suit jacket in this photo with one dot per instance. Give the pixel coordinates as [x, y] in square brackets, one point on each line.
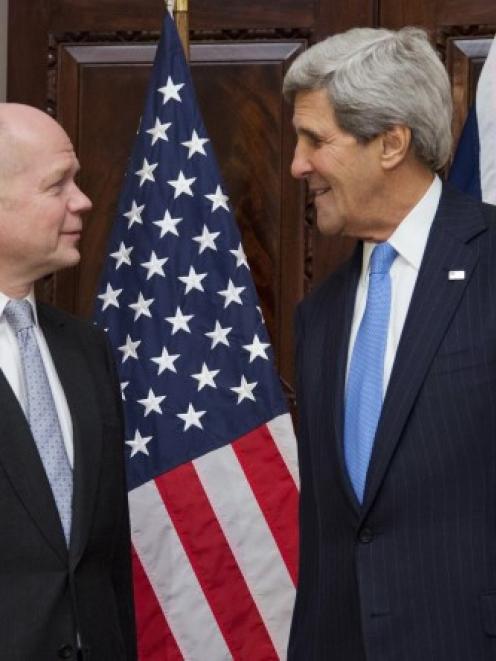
[410, 575]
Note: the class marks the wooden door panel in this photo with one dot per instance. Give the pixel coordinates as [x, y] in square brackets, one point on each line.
[436, 14]
[465, 58]
[465, 12]
[216, 14]
[101, 91]
[100, 96]
[395, 14]
[77, 15]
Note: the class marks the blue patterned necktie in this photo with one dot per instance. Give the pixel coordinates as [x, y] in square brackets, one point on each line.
[364, 390]
[41, 412]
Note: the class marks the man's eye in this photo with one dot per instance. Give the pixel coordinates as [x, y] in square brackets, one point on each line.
[314, 140]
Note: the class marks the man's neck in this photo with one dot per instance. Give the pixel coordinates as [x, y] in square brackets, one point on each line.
[14, 289]
[402, 191]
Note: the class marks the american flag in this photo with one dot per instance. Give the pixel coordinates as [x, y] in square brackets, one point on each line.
[211, 458]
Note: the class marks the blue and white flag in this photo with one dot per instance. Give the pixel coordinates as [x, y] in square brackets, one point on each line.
[474, 165]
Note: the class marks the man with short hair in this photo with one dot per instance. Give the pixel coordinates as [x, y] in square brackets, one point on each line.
[65, 577]
[396, 366]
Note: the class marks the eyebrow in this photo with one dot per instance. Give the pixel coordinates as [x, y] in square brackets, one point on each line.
[59, 173]
[308, 133]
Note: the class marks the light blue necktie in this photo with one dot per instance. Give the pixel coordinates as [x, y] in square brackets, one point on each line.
[41, 412]
[364, 389]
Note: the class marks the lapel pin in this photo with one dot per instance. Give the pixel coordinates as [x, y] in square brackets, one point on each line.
[456, 275]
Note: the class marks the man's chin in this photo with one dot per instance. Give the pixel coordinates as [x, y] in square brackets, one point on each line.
[329, 225]
[70, 257]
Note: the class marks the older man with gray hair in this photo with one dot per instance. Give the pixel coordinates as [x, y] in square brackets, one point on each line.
[396, 358]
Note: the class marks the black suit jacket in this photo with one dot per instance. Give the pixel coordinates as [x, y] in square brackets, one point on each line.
[410, 575]
[48, 593]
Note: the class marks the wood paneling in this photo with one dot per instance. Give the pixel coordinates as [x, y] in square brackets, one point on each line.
[216, 14]
[30, 24]
[27, 52]
[396, 14]
[339, 16]
[435, 14]
[100, 93]
[77, 15]
[465, 58]
[465, 12]
[100, 98]
[204, 14]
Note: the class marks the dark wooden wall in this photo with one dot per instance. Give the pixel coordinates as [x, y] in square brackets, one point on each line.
[87, 62]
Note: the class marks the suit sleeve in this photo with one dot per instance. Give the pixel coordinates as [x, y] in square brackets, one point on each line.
[121, 568]
[301, 637]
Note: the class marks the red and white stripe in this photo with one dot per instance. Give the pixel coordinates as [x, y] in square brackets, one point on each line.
[216, 552]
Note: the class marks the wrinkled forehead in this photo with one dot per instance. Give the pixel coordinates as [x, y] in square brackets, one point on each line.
[313, 109]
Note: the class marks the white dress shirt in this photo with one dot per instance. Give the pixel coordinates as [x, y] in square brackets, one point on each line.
[10, 364]
[409, 240]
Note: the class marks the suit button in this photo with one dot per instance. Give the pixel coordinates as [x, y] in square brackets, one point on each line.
[365, 536]
[66, 652]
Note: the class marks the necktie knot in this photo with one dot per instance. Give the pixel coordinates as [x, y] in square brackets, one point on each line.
[382, 258]
[19, 314]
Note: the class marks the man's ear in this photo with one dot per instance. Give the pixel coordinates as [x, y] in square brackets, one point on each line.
[395, 146]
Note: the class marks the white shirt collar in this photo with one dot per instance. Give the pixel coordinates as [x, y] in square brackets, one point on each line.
[410, 237]
[30, 297]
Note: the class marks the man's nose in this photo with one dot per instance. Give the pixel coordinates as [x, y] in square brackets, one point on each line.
[81, 202]
[300, 165]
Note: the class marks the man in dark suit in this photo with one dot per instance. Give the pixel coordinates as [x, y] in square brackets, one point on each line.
[396, 367]
[65, 579]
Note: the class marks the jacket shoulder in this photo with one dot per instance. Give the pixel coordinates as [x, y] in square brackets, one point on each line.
[55, 316]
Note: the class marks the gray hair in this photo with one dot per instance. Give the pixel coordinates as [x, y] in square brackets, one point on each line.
[377, 79]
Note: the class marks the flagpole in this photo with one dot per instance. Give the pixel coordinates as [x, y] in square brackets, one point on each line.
[182, 22]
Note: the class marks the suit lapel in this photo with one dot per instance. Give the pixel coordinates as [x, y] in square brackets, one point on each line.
[337, 340]
[78, 386]
[433, 305]
[22, 464]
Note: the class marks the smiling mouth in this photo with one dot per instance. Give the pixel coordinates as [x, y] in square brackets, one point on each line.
[316, 192]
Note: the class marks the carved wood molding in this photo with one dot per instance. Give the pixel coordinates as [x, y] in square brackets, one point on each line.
[55, 40]
[273, 34]
[464, 49]
[443, 35]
